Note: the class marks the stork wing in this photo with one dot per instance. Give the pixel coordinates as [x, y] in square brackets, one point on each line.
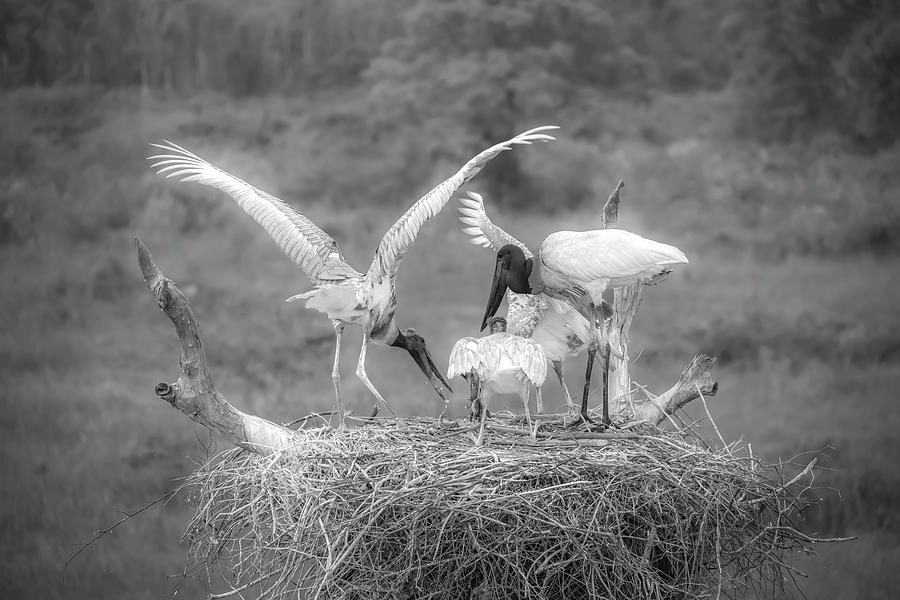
[314, 251]
[532, 360]
[402, 234]
[464, 358]
[483, 231]
[612, 254]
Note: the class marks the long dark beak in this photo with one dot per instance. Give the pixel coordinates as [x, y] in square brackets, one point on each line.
[426, 365]
[498, 288]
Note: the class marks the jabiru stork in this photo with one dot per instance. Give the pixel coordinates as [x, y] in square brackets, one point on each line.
[348, 297]
[577, 267]
[560, 329]
[499, 363]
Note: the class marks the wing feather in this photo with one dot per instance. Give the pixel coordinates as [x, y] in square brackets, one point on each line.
[464, 358]
[402, 234]
[612, 254]
[313, 250]
[532, 360]
[482, 229]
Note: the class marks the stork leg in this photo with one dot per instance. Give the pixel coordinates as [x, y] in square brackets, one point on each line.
[483, 403]
[570, 402]
[604, 361]
[540, 403]
[336, 373]
[475, 407]
[596, 343]
[592, 352]
[361, 374]
[524, 394]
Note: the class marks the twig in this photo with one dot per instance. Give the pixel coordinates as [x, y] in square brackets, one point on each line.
[566, 435]
[709, 416]
[317, 415]
[240, 589]
[102, 532]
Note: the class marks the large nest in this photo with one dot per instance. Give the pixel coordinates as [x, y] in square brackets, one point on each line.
[413, 510]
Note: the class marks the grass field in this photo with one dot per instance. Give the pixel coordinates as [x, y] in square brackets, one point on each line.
[791, 283]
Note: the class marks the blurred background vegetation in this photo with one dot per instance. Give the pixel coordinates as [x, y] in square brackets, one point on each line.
[759, 136]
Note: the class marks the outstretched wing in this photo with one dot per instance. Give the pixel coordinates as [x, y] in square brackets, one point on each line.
[402, 234]
[313, 250]
[464, 358]
[482, 229]
[532, 360]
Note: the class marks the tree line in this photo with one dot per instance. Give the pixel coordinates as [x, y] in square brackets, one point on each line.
[797, 66]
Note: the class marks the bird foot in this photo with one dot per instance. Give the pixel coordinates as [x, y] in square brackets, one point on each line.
[588, 424]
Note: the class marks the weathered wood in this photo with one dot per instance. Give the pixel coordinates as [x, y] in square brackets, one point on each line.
[625, 304]
[194, 393]
[611, 209]
[694, 380]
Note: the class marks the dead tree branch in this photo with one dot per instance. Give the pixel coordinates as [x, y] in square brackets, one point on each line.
[694, 380]
[194, 393]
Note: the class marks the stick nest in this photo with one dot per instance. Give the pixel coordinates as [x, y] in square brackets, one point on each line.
[414, 510]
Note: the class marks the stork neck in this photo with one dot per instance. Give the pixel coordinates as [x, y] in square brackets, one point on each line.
[400, 341]
[535, 281]
[386, 333]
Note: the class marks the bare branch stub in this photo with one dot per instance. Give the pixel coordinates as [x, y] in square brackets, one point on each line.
[694, 380]
[610, 213]
[194, 393]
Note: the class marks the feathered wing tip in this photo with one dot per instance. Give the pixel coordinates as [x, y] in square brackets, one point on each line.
[533, 361]
[313, 250]
[682, 257]
[673, 256]
[483, 231]
[178, 162]
[464, 358]
[667, 254]
[472, 213]
[402, 234]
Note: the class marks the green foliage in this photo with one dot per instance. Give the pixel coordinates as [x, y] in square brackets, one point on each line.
[189, 45]
[485, 69]
[810, 66]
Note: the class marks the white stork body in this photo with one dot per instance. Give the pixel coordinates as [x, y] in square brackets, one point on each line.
[500, 363]
[577, 267]
[596, 260]
[347, 296]
[560, 329]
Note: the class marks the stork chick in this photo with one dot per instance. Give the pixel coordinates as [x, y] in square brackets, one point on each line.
[499, 363]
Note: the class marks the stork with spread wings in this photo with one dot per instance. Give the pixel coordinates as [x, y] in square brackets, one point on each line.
[347, 296]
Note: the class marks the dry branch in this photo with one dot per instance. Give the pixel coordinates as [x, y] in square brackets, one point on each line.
[610, 212]
[194, 393]
[694, 380]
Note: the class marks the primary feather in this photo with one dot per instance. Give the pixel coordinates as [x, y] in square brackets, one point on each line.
[400, 237]
[314, 251]
[482, 229]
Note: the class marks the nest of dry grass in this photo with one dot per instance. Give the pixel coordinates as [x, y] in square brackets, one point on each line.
[414, 510]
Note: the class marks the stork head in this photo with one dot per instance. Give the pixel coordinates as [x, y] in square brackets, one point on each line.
[511, 271]
[414, 343]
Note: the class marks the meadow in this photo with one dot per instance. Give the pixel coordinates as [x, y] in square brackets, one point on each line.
[793, 254]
